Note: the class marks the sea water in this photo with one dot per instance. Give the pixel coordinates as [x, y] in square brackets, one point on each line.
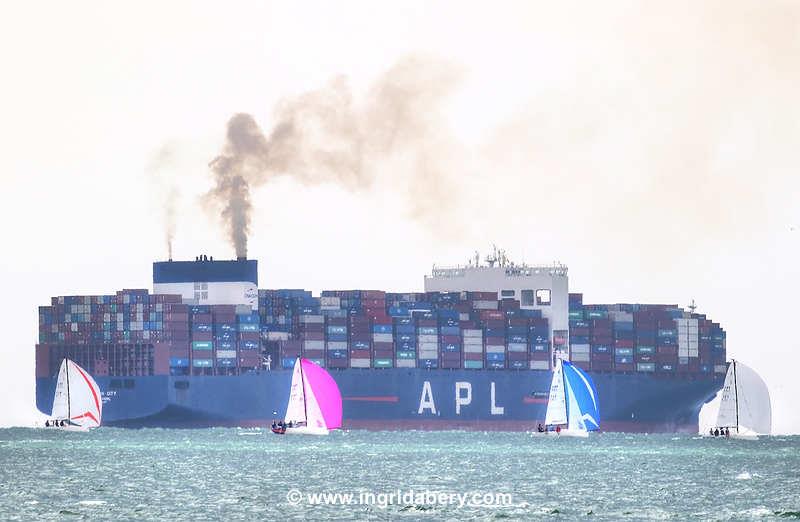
[115, 473]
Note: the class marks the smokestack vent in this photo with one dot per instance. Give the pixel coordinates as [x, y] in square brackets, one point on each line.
[241, 258]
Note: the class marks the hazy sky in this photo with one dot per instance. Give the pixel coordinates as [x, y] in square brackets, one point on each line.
[651, 148]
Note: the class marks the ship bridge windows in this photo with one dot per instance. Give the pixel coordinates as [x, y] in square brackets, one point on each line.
[543, 297]
[507, 293]
[526, 297]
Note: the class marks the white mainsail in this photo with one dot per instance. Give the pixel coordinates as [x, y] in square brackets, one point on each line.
[296, 409]
[61, 397]
[557, 403]
[745, 403]
[77, 397]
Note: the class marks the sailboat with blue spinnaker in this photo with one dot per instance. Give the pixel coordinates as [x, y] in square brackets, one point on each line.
[573, 408]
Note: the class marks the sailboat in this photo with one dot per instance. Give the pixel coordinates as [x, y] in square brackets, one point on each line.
[573, 402]
[315, 403]
[77, 403]
[745, 408]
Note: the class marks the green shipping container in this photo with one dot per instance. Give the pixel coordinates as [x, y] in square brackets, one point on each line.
[646, 367]
[202, 363]
[473, 365]
[382, 363]
[576, 315]
[202, 345]
[406, 355]
[646, 350]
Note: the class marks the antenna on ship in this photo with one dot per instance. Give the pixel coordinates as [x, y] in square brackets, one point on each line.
[692, 306]
[491, 259]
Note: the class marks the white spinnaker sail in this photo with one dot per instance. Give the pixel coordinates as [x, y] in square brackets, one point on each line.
[85, 401]
[755, 409]
[744, 387]
[557, 403]
[296, 409]
[61, 399]
[314, 418]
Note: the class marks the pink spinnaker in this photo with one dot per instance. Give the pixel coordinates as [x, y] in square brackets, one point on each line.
[326, 392]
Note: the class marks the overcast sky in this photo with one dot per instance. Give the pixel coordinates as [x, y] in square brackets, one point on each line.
[651, 148]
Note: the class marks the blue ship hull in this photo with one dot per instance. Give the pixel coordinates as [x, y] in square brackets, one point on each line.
[399, 399]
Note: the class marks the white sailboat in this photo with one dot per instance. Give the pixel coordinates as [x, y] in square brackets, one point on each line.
[304, 414]
[745, 408]
[572, 402]
[77, 403]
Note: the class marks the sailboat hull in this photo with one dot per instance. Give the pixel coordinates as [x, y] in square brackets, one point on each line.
[306, 430]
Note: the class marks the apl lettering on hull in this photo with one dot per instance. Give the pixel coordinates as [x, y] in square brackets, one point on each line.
[462, 395]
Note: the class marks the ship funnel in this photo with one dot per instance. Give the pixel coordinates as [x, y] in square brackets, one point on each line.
[241, 258]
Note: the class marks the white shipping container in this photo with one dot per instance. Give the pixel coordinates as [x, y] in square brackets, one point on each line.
[328, 307]
[312, 319]
[313, 345]
[470, 333]
[405, 363]
[337, 345]
[579, 357]
[495, 348]
[517, 347]
[484, 305]
[277, 336]
[426, 339]
[720, 368]
[580, 348]
[473, 341]
[540, 365]
[427, 354]
[226, 354]
[386, 337]
[463, 317]
[473, 348]
[360, 363]
[243, 309]
[330, 301]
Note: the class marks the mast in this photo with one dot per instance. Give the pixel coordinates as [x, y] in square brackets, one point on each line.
[564, 386]
[69, 413]
[303, 384]
[736, 395]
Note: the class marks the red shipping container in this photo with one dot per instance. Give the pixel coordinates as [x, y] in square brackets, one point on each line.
[579, 331]
[494, 341]
[601, 357]
[359, 354]
[624, 343]
[314, 354]
[201, 336]
[336, 363]
[487, 315]
[468, 356]
[494, 323]
[539, 356]
[539, 321]
[451, 356]
[667, 350]
[517, 356]
[455, 339]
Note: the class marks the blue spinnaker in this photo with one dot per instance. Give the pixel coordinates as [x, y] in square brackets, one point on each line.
[583, 395]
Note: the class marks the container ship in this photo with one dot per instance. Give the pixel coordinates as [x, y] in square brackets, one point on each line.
[475, 350]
